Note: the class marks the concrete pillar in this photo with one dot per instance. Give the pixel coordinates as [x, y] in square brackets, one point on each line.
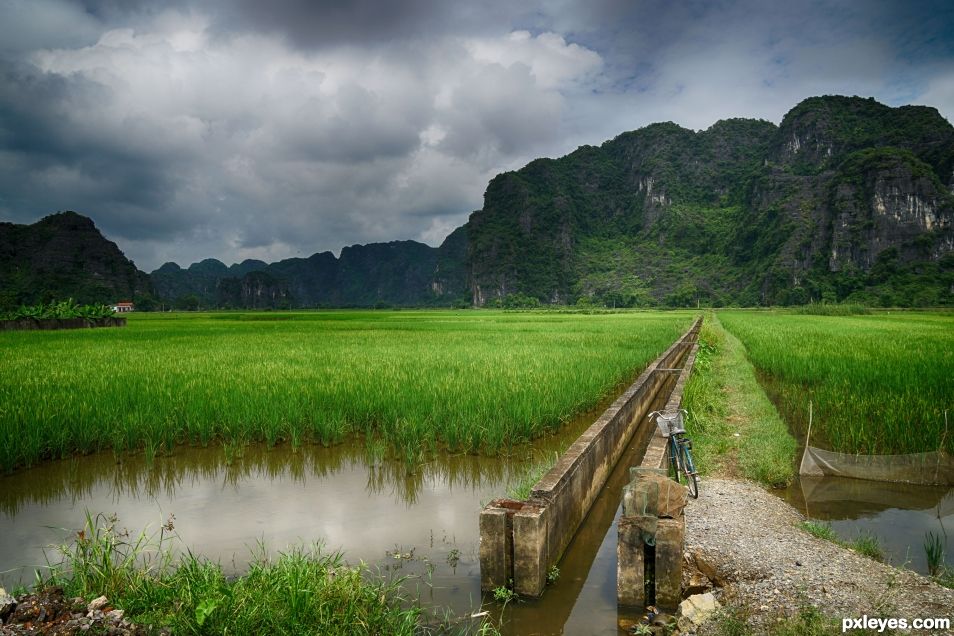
[670, 542]
[530, 551]
[496, 548]
[630, 560]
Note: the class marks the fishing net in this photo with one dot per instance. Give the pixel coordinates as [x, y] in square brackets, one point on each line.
[935, 468]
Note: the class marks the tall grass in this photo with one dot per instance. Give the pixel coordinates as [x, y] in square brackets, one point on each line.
[467, 381]
[880, 384]
[734, 426]
[304, 591]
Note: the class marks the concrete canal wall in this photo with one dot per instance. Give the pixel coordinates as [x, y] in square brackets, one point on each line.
[520, 541]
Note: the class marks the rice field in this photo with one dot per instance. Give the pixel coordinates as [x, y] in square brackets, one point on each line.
[410, 381]
[879, 384]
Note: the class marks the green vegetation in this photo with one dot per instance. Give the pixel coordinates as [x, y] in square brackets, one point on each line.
[421, 381]
[820, 530]
[832, 309]
[879, 384]
[734, 427]
[58, 309]
[865, 543]
[809, 621]
[522, 487]
[304, 591]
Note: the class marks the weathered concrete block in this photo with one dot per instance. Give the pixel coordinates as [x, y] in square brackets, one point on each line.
[530, 555]
[630, 562]
[496, 548]
[670, 542]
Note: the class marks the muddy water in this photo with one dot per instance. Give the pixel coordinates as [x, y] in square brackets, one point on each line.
[420, 525]
[900, 516]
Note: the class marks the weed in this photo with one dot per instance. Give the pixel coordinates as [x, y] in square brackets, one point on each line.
[553, 574]
[504, 594]
[820, 530]
[934, 550]
[868, 545]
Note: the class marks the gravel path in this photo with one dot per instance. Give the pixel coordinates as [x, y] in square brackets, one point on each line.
[749, 540]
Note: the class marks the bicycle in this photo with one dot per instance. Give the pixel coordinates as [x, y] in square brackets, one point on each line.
[679, 446]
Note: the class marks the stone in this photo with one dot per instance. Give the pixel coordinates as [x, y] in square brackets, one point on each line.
[8, 605]
[115, 615]
[696, 610]
[698, 583]
[97, 604]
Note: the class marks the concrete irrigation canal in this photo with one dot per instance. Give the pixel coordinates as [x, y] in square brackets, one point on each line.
[421, 525]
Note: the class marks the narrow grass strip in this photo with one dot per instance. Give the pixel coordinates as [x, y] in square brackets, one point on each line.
[735, 428]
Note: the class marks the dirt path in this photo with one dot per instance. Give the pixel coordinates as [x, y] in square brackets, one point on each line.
[751, 542]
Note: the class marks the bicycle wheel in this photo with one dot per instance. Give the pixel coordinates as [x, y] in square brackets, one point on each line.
[674, 466]
[687, 468]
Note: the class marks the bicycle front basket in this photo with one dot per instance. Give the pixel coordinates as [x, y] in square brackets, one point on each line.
[664, 420]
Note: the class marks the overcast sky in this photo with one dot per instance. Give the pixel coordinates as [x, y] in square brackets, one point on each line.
[201, 128]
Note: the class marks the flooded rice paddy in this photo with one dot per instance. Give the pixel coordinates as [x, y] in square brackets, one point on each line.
[419, 524]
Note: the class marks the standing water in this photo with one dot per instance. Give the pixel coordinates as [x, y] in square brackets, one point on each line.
[901, 517]
[421, 524]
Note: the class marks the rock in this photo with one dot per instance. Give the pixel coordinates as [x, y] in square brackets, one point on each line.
[115, 615]
[697, 583]
[97, 604]
[696, 610]
[7, 605]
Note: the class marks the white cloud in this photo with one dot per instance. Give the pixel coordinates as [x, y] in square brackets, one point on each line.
[283, 147]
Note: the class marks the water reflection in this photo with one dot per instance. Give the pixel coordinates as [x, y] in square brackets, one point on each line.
[135, 477]
[899, 515]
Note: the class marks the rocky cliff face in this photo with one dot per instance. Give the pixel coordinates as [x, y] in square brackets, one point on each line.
[846, 199]
[64, 255]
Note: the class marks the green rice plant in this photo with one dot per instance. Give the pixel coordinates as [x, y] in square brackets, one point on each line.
[879, 384]
[521, 488]
[832, 309]
[422, 381]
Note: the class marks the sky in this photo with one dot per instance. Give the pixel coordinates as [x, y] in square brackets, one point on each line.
[189, 129]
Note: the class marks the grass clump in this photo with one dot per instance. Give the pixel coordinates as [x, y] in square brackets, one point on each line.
[303, 591]
[523, 486]
[807, 621]
[865, 543]
[418, 380]
[879, 384]
[734, 426]
[820, 530]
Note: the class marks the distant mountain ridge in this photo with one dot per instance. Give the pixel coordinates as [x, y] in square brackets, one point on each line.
[847, 199]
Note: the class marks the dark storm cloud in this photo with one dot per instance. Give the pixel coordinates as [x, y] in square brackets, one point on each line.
[195, 128]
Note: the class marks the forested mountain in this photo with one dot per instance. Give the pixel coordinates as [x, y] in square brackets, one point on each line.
[64, 256]
[847, 199]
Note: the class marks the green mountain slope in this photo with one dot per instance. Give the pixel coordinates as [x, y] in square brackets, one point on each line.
[846, 199]
[64, 255]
